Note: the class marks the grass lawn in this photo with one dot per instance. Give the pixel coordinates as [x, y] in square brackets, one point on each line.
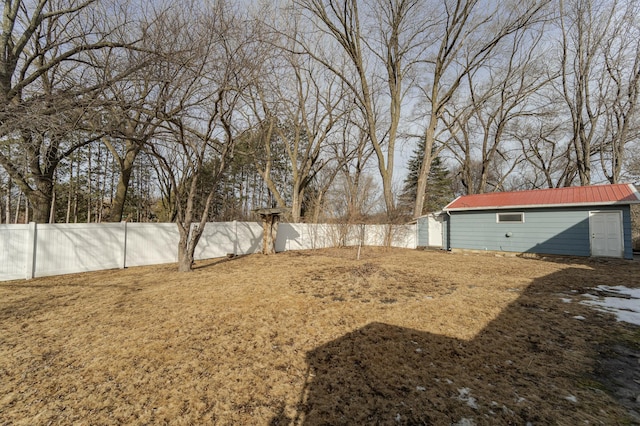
[316, 337]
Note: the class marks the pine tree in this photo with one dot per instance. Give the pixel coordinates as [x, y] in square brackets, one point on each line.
[439, 190]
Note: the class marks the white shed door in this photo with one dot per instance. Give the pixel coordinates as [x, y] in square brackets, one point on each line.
[435, 232]
[606, 234]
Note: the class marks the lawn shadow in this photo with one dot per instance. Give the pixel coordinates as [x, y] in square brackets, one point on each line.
[208, 263]
[531, 365]
[593, 262]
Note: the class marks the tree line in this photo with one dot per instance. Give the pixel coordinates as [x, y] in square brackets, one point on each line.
[194, 111]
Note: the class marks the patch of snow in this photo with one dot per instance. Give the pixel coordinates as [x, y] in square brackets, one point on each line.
[571, 398]
[634, 293]
[419, 350]
[465, 422]
[521, 399]
[421, 388]
[448, 381]
[626, 308]
[566, 300]
[579, 317]
[398, 418]
[464, 394]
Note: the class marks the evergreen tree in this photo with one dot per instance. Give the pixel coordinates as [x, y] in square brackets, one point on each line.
[439, 190]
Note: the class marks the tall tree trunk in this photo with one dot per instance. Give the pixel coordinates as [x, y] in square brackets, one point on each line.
[70, 192]
[427, 158]
[185, 256]
[52, 211]
[126, 170]
[26, 210]
[41, 200]
[89, 187]
[18, 207]
[7, 210]
[296, 203]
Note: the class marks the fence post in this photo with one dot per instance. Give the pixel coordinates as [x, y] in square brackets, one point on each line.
[30, 261]
[124, 245]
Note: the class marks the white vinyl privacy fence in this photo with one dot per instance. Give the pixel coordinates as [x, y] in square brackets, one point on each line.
[37, 250]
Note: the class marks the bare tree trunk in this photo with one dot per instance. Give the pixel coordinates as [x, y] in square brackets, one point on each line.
[7, 210]
[26, 210]
[427, 159]
[89, 186]
[185, 256]
[269, 232]
[75, 203]
[15, 219]
[296, 203]
[126, 169]
[41, 200]
[52, 214]
[69, 192]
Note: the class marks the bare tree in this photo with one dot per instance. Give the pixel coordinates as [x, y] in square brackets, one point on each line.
[589, 75]
[622, 63]
[133, 107]
[493, 100]
[471, 30]
[213, 74]
[381, 44]
[548, 156]
[301, 105]
[46, 95]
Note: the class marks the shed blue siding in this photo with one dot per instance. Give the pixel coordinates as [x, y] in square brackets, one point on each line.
[423, 232]
[563, 231]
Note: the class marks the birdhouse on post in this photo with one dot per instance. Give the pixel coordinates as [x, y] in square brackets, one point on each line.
[270, 219]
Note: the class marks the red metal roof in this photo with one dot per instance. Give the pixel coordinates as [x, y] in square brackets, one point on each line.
[556, 197]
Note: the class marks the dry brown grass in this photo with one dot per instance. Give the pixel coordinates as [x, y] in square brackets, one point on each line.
[398, 337]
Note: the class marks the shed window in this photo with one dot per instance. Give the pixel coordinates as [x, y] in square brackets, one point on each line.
[510, 217]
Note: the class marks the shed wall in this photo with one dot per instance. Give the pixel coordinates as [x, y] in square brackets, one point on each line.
[423, 231]
[562, 231]
[430, 231]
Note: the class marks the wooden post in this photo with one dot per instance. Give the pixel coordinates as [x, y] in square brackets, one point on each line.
[267, 237]
[270, 219]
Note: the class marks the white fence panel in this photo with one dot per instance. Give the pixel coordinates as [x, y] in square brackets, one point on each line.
[404, 236]
[41, 250]
[356, 235]
[300, 236]
[375, 235]
[218, 239]
[14, 249]
[70, 248]
[289, 235]
[322, 235]
[152, 243]
[249, 237]
[308, 236]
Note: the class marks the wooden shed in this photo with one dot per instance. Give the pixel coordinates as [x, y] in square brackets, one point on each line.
[577, 221]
